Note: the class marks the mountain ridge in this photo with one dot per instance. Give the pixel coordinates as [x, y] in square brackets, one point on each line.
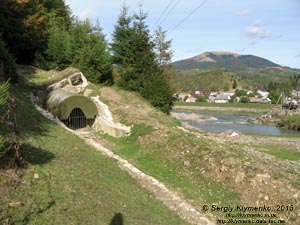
[226, 61]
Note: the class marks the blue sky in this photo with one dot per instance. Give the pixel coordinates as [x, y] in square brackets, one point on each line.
[265, 28]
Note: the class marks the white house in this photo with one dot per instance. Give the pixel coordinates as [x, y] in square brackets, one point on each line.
[181, 96]
[230, 93]
[222, 98]
[263, 93]
[260, 91]
[191, 99]
[260, 100]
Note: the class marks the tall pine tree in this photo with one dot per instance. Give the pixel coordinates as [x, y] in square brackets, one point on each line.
[122, 51]
[92, 56]
[134, 57]
[162, 47]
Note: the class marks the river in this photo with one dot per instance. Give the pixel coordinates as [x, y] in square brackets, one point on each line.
[239, 123]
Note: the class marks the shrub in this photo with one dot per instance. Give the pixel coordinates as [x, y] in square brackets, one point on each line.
[245, 99]
[201, 99]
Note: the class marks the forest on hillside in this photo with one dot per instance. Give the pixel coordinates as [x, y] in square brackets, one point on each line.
[45, 34]
[192, 80]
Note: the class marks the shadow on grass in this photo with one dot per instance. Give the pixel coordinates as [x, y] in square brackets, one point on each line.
[117, 219]
[30, 154]
[35, 211]
[35, 155]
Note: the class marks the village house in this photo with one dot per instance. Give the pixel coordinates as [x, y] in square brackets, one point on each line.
[199, 93]
[259, 100]
[259, 91]
[217, 97]
[222, 98]
[230, 93]
[295, 93]
[191, 99]
[182, 96]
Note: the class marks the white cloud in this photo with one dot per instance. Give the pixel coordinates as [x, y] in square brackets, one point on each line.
[86, 14]
[245, 12]
[298, 56]
[258, 31]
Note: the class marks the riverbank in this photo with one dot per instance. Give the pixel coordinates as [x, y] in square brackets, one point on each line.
[283, 118]
[191, 116]
[217, 123]
[221, 109]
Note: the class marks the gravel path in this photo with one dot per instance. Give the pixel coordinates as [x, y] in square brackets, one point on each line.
[170, 198]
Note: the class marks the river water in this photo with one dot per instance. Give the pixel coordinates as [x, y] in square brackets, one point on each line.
[238, 123]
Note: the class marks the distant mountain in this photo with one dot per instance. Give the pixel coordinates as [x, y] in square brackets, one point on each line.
[226, 61]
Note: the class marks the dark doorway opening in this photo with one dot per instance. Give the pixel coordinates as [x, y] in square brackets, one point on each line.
[78, 120]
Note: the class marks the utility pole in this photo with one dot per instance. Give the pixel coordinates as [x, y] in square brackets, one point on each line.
[281, 96]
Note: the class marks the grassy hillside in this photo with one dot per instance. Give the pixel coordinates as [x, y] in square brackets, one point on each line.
[205, 169]
[186, 80]
[67, 182]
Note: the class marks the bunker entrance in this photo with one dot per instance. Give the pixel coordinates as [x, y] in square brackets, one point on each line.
[74, 110]
[77, 120]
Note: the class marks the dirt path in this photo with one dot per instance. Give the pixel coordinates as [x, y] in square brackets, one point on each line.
[169, 198]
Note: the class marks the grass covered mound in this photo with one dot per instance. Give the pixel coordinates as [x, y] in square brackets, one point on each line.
[67, 182]
[205, 168]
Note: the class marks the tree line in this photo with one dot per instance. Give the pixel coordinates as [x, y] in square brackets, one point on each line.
[44, 33]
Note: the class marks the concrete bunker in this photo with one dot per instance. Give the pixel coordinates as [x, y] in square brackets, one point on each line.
[74, 110]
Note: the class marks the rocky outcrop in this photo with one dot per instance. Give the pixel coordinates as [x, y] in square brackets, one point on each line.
[75, 83]
[278, 117]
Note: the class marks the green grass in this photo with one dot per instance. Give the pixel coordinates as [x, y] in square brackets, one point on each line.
[224, 111]
[33, 76]
[76, 184]
[292, 118]
[235, 105]
[94, 88]
[154, 159]
[296, 184]
[277, 136]
[281, 152]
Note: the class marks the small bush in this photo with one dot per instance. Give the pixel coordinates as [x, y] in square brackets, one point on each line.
[201, 99]
[245, 99]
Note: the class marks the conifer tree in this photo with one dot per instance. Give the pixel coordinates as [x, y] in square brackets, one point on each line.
[122, 35]
[134, 57]
[91, 53]
[164, 55]
[162, 47]
[122, 50]
[59, 51]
